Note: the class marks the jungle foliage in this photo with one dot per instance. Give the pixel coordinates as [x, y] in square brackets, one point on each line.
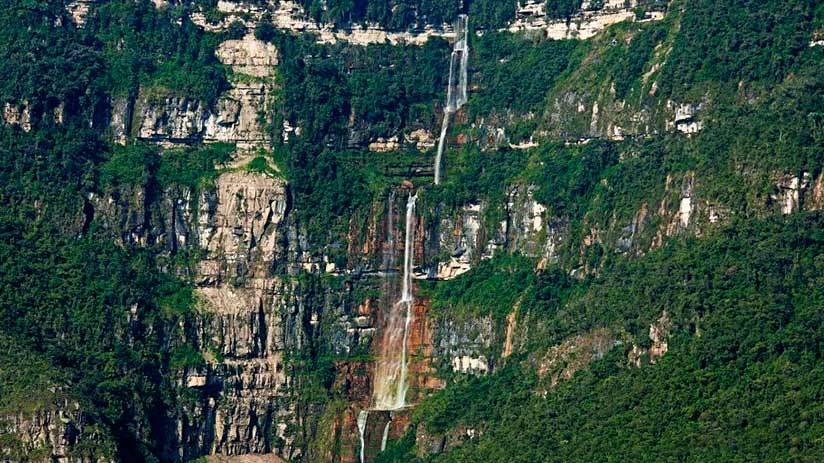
[741, 380]
[743, 376]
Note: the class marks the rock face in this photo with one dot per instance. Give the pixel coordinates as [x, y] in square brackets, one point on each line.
[290, 16]
[251, 311]
[79, 9]
[239, 224]
[234, 119]
[249, 56]
[560, 362]
[237, 117]
[17, 114]
[591, 19]
[50, 435]
[685, 121]
[467, 344]
[790, 190]
[170, 118]
[248, 316]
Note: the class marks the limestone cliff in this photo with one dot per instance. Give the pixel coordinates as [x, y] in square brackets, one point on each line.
[239, 116]
[268, 298]
[58, 432]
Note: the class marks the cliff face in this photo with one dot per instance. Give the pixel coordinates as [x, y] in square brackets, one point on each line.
[239, 116]
[243, 312]
[59, 433]
[584, 24]
[254, 314]
[268, 298]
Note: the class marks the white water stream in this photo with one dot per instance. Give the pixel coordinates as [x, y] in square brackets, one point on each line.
[391, 371]
[457, 88]
[362, 417]
[390, 383]
[385, 435]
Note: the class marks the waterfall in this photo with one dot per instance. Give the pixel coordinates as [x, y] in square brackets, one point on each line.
[451, 99]
[441, 143]
[406, 297]
[463, 79]
[408, 251]
[391, 371]
[457, 93]
[385, 434]
[362, 417]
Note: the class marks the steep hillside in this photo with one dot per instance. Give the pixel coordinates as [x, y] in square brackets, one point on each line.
[223, 236]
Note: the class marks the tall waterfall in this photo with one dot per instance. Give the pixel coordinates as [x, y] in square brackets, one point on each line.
[441, 143]
[363, 416]
[385, 434]
[457, 92]
[391, 370]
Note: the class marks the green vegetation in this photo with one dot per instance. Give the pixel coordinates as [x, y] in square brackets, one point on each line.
[728, 41]
[567, 176]
[259, 165]
[193, 166]
[767, 124]
[743, 370]
[50, 62]
[142, 45]
[392, 14]
[186, 356]
[81, 318]
[25, 378]
[490, 14]
[492, 287]
[515, 74]
[142, 164]
[626, 63]
[473, 174]
[387, 88]
[87, 316]
[562, 8]
[83, 296]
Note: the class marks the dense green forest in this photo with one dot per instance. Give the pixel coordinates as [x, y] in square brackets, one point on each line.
[93, 318]
[390, 88]
[741, 380]
[513, 76]
[69, 296]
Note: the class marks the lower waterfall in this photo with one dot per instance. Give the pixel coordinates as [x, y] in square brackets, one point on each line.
[385, 435]
[362, 417]
[391, 370]
[441, 142]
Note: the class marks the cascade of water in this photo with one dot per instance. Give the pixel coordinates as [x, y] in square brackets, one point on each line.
[463, 79]
[451, 99]
[385, 434]
[406, 297]
[391, 371]
[457, 92]
[441, 144]
[362, 417]
[408, 251]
